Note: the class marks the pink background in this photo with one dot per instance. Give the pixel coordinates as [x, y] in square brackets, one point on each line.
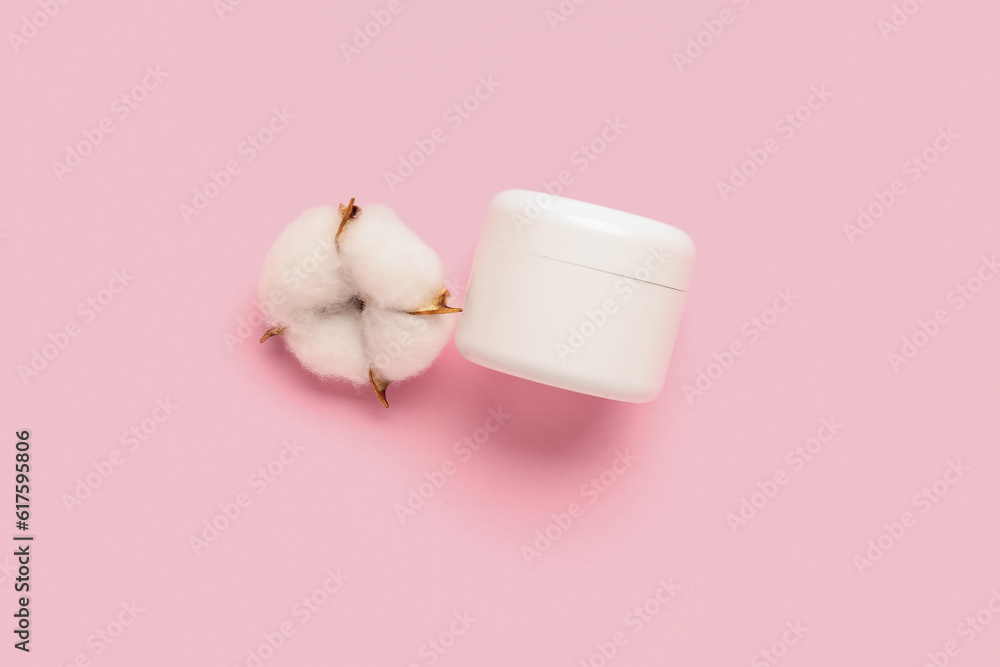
[179, 331]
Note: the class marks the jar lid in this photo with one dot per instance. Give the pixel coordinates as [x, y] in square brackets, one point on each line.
[589, 235]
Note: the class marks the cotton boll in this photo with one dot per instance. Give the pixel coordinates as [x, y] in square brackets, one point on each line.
[387, 263]
[400, 345]
[303, 271]
[340, 287]
[331, 344]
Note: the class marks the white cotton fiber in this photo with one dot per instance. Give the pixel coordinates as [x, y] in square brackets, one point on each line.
[344, 304]
[302, 271]
[387, 263]
[400, 345]
[331, 345]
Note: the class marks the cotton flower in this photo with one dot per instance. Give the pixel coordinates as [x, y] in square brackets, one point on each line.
[356, 296]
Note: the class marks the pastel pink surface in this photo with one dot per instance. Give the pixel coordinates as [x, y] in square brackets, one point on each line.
[716, 437]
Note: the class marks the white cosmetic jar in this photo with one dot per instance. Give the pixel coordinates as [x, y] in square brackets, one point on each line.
[575, 295]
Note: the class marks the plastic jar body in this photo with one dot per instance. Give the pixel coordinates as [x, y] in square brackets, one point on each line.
[538, 309]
